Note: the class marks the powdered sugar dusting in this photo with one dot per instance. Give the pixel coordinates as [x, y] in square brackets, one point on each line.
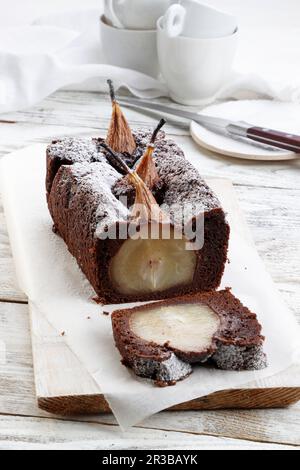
[172, 369]
[234, 357]
[74, 150]
[96, 180]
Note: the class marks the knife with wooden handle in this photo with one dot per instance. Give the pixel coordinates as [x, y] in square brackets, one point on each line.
[261, 135]
[278, 139]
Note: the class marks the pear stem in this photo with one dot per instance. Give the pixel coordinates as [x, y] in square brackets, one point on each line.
[145, 167]
[161, 123]
[111, 90]
[117, 157]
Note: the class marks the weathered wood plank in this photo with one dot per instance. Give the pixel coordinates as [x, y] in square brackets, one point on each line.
[9, 290]
[19, 135]
[74, 112]
[16, 432]
[16, 371]
[85, 110]
[274, 220]
[282, 426]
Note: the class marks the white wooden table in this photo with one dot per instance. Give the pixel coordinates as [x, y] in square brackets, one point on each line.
[270, 196]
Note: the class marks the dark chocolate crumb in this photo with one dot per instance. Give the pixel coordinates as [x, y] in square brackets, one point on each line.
[161, 384]
[105, 313]
[63, 333]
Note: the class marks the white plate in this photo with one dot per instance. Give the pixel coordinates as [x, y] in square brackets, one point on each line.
[265, 113]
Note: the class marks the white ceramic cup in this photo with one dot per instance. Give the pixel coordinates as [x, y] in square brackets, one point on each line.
[131, 49]
[195, 69]
[135, 14]
[189, 18]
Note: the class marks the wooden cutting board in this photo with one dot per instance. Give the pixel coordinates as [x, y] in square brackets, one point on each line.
[64, 387]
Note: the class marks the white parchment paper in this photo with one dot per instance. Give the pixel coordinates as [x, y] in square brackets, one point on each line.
[56, 287]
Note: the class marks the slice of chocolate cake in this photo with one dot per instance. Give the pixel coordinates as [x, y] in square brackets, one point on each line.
[85, 195]
[162, 340]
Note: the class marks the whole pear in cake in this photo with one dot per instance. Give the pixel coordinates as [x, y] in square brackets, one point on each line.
[93, 199]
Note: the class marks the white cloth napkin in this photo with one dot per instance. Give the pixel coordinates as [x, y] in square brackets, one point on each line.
[57, 51]
[64, 49]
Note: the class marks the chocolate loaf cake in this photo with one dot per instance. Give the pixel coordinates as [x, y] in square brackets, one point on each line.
[84, 193]
[162, 340]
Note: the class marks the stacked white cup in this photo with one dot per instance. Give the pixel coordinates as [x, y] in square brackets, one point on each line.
[128, 33]
[191, 44]
[196, 47]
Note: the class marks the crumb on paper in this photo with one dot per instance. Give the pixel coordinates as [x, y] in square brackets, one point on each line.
[63, 333]
[54, 229]
[88, 318]
[163, 384]
[97, 299]
[105, 313]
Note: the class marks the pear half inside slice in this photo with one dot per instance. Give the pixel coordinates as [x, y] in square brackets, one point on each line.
[184, 327]
[143, 266]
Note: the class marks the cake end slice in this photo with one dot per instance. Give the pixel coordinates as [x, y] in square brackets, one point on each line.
[162, 340]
